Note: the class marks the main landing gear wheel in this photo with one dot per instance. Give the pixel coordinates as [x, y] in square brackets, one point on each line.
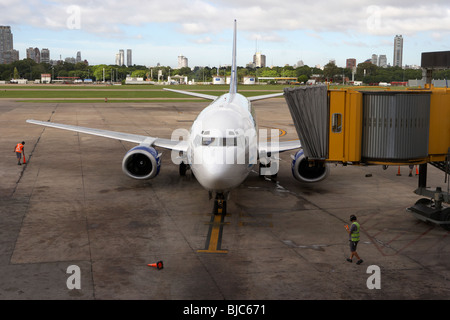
[183, 169]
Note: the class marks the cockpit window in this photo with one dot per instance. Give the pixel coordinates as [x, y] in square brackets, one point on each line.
[217, 141]
[206, 141]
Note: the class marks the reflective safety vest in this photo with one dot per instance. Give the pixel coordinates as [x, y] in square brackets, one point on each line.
[355, 234]
[19, 147]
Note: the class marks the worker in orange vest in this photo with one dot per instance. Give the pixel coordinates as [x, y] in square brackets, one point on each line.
[19, 150]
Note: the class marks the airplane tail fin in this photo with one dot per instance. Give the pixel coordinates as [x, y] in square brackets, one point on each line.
[233, 79]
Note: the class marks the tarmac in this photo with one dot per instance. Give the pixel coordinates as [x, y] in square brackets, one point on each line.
[73, 226]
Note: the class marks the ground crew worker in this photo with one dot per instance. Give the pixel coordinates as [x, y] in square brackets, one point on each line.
[411, 167]
[353, 232]
[19, 150]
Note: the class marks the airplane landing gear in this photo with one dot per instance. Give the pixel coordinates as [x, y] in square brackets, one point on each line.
[220, 204]
[183, 169]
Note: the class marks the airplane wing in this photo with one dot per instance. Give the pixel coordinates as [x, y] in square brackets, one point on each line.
[135, 138]
[211, 97]
[195, 94]
[282, 146]
[266, 96]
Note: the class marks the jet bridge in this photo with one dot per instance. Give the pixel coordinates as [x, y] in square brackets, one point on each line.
[380, 126]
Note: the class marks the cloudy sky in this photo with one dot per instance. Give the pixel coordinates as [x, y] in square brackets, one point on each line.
[286, 31]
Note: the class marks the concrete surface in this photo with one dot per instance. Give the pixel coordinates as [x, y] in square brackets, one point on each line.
[72, 205]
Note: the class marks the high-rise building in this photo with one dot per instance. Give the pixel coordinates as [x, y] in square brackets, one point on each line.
[259, 60]
[37, 55]
[382, 61]
[350, 63]
[30, 53]
[78, 59]
[120, 58]
[45, 55]
[375, 59]
[7, 52]
[182, 62]
[34, 54]
[9, 56]
[398, 51]
[129, 58]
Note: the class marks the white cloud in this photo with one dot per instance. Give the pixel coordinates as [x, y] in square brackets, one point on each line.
[204, 40]
[204, 17]
[319, 25]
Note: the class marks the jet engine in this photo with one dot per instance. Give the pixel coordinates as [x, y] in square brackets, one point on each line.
[141, 162]
[303, 171]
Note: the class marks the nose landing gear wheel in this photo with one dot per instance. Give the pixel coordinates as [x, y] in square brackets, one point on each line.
[220, 205]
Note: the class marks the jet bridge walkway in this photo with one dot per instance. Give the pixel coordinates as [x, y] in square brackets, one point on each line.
[380, 126]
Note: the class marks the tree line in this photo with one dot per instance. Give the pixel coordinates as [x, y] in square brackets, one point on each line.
[365, 72]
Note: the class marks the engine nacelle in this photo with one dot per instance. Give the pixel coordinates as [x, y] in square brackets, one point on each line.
[141, 162]
[302, 171]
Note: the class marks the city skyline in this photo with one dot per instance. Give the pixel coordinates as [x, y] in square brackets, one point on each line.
[286, 31]
[259, 60]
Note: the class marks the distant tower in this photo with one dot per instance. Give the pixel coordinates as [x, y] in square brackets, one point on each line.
[182, 62]
[122, 57]
[374, 59]
[117, 59]
[78, 57]
[30, 53]
[7, 52]
[350, 63]
[259, 60]
[129, 58]
[398, 51]
[37, 55]
[382, 61]
[45, 55]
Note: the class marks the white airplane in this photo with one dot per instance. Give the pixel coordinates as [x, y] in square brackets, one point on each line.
[221, 148]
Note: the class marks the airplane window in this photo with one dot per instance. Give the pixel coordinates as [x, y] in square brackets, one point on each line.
[207, 141]
[219, 142]
[230, 142]
[336, 123]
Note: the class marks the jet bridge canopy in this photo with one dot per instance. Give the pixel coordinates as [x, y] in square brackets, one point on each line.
[309, 110]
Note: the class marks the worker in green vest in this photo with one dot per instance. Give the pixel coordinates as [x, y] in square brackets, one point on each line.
[353, 232]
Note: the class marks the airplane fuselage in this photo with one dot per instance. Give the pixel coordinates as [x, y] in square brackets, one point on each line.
[222, 143]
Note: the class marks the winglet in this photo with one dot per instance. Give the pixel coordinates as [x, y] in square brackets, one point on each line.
[233, 80]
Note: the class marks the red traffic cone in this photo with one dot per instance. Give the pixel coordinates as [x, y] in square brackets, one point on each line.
[158, 265]
[398, 172]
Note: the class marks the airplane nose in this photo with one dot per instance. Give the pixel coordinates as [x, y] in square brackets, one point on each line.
[219, 177]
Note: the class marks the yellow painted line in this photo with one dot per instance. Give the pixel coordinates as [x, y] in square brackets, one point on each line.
[214, 238]
[281, 133]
